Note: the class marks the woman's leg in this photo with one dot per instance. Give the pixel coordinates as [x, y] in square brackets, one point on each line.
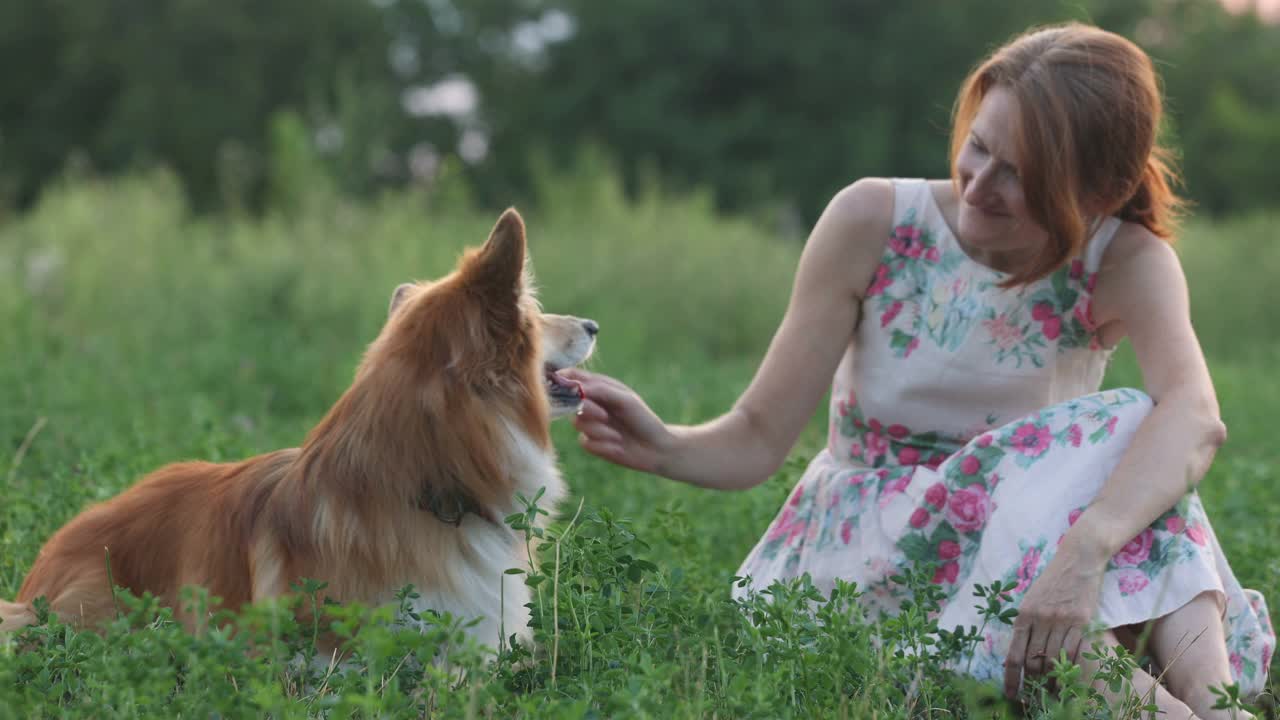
[1189, 644]
[1141, 686]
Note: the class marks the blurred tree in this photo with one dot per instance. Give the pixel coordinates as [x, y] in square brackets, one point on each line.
[786, 102]
[190, 83]
[766, 103]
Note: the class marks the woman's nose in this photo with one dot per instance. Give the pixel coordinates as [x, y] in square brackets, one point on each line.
[979, 185]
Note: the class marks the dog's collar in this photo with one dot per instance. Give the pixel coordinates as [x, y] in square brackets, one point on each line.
[449, 508]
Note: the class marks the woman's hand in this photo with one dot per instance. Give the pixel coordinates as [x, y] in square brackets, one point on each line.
[614, 423]
[1055, 613]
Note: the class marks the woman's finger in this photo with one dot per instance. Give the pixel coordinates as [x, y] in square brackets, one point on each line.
[1037, 643]
[589, 411]
[1053, 645]
[604, 450]
[1072, 642]
[1016, 660]
[599, 432]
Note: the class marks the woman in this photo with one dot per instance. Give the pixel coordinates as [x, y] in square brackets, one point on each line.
[967, 324]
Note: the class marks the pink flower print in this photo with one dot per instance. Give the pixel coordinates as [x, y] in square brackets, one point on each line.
[1005, 334]
[782, 526]
[1052, 327]
[1136, 551]
[877, 447]
[969, 508]
[905, 241]
[985, 441]
[1027, 571]
[1175, 525]
[1111, 424]
[1073, 516]
[919, 518]
[936, 495]
[1075, 435]
[796, 495]
[875, 425]
[993, 481]
[1077, 270]
[842, 409]
[1091, 283]
[897, 432]
[888, 315]
[911, 347]
[1032, 440]
[909, 456]
[1197, 535]
[846, 531]
[970, 465]
[948, 550]
[932, 255]
[855, 450]
[1131, 581]
[1266, 658]
[892, 488]
[1084, 315]
[880, 282]
[1237, 665]
[936, 460]
[1041, 311]
[947, 573]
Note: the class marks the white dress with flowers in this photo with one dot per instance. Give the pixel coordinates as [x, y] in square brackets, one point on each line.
[967, 433]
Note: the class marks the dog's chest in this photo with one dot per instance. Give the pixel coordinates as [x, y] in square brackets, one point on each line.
[476, 582]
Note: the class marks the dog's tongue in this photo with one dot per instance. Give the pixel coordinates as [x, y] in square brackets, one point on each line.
[565, 383]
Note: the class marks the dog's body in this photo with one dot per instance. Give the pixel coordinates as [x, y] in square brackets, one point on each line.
[405, 481]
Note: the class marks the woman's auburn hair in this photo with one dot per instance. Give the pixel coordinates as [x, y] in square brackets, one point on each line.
[1089, 109]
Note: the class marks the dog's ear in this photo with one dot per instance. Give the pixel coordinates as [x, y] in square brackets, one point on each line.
[398, 297]
[500, 263]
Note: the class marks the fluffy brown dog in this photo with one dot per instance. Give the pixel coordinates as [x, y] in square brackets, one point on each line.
[405, 481]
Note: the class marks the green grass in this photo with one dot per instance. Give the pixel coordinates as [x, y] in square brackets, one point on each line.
[135, 335]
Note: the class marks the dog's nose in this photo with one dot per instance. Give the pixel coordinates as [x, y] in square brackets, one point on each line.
[591, 327]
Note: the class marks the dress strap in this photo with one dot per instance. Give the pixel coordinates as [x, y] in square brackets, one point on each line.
[908, 193]
[1099, 242]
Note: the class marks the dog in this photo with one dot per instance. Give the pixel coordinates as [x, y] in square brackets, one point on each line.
[405, 481]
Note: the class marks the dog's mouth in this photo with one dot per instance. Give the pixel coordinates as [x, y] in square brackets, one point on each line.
[563, 392]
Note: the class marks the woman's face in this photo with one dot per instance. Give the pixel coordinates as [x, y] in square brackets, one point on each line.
[993, 219]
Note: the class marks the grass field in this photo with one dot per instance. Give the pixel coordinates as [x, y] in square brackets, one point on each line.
[134, 335]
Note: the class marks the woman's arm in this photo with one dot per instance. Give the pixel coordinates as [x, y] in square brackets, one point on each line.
[746, 445]
[1141, 293]
[1143, 290]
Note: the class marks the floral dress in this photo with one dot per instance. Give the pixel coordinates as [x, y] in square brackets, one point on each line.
[967, 433]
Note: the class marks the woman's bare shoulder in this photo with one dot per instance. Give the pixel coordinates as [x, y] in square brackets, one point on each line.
[1136, 265]
[858, 219]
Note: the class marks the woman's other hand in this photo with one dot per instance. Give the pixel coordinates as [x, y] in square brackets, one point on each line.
[1055, 614]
